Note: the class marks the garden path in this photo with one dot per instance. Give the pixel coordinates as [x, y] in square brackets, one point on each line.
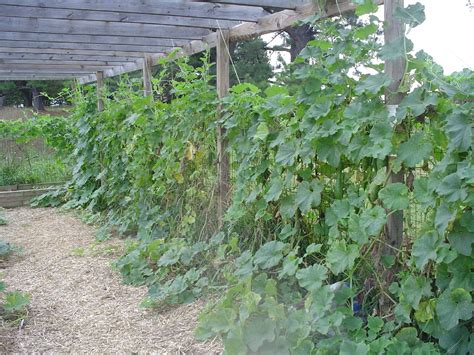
[78, 303]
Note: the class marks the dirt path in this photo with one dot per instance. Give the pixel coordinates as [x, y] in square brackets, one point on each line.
[78, 303]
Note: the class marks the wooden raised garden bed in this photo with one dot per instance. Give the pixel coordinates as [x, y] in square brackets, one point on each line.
[20, 195]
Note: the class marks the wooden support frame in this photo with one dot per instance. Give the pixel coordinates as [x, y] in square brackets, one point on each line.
[395, 69]
[100, 91]
[147, 87]
[223, 161]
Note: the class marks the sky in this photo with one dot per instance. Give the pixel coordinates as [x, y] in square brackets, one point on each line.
[447, 33]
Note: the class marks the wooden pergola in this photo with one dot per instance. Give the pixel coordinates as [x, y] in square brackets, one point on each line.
[76, 39]
[89, 40]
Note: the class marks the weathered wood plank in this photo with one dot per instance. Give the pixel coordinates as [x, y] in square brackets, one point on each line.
[113, 16]
[155, 7]
[66, 45]
[60, 63]
[52, 76]
[223, 163]
[12, 199]
[100, 90]
[52, 67]
[147, 88]
[20, 57]
[277, 4]
[395, 69]
[51, 27]
[29, 186]
[65, 52]
[91, 39]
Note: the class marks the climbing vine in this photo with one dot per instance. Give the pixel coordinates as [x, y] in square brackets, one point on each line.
[302, 258]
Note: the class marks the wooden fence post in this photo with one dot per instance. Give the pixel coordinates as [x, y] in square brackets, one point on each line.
[100, 91]
[147, 88]
[223, 163]
[395, 69]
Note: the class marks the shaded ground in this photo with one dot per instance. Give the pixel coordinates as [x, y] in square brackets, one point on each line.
[78, 303]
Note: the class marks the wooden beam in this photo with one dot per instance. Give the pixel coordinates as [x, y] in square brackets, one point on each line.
[40, 57]
[20, 76]
[223, 162]
[112, 16]
[75, 52]
[100, 91]
[276, 4]
[154, 7]
[93, 39]
[52, 27]
[267, 24]
[395, 69]
[52, 67]
[46, 71]
[147, 87]
[59, 63]
[66, 45]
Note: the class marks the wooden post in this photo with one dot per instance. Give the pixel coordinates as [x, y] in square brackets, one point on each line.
[100, 91]
[395, 69]
[223, 164]
[147, 88]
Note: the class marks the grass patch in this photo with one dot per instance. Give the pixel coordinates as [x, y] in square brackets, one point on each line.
[38, 169]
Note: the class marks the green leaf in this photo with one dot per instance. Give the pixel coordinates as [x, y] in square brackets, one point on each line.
[424, 249]
[320, 300]
[308, 195]
[373, 83]
[422, 194]
[461, 273]
[287, 153]
[412, 15]
[456, 340]
[461, 239]
[257, 331]
[341, 256]
[262, 131]
[270, 254]
[408, 335]
[394, 196]
[339, 210]
[414, 151]
[288, 206]
[416, 102]
[366, 7]
[442, 218]
[365, 31]
[413, 289]
[312, 277]
[451, 187]
[452, 306]
[459, 127]
[275, 190]
[396, 49]
[350, 348]
[318, 110]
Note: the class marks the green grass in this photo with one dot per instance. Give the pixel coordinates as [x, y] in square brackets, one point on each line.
[40, 169]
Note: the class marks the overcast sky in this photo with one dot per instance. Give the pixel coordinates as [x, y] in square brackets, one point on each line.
[447, 34]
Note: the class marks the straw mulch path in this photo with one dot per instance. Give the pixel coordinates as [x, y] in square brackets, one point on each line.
[78, 303]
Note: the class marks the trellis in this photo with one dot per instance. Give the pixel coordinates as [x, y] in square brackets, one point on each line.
[89, 40]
